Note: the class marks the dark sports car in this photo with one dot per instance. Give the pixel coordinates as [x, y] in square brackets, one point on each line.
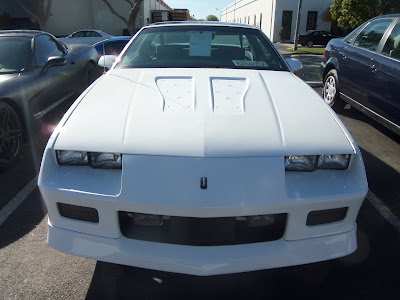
[37, 73]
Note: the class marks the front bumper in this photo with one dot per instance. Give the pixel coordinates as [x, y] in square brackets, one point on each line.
[203, 261]
[169, 186]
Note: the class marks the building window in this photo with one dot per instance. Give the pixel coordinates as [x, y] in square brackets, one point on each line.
[255, 20]
[286, 28]
[312, 20]
[260, 19]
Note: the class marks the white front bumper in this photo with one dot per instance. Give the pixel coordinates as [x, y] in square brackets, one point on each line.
[203, 261]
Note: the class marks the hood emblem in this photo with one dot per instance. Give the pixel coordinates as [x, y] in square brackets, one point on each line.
[203, 183]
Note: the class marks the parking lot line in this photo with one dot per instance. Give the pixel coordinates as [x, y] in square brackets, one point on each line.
[17, 200]
[384, 210]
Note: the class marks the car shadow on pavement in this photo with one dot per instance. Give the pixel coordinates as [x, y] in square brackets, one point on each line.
[370, 272]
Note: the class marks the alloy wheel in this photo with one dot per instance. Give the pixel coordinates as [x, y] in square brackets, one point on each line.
[330, 90]
[10, 135]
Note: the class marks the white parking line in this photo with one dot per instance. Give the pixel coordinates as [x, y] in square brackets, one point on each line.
[384, 210]
[17, 200]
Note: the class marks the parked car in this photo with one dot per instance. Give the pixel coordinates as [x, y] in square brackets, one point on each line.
[200, 152]
[316, 37]
[37, 73]
[112, 46]
[363, 69]
[87, 36]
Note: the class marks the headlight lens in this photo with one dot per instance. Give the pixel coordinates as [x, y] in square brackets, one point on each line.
[105, 160]
[305, 163]
[309, 163]
[94, 159]
[336, 162]
[72, 158]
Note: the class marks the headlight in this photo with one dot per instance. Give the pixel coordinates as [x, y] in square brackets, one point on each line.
[309, 163]
[105, 160]
[94, 159]
[305, 163]
[337, 161]
[72, 158]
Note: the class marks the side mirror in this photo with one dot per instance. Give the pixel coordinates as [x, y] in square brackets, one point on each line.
[54, 61]
[107, 61]
[294, 64]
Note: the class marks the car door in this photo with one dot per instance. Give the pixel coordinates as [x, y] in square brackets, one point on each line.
[357, 65]
[55, 84]
[383, 86]
[369, 43]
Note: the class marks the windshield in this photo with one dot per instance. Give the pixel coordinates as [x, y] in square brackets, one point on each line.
[201, 47]
[14, 54]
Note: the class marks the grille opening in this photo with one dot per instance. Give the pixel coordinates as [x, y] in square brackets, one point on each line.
[202, 231]
[80, 213]
[326, 216]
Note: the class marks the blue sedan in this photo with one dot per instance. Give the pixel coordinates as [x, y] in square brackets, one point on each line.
[363, 69]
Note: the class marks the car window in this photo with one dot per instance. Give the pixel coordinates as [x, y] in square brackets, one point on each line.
[392, 45]
[115, 48]
[92, 34]
[15, 54]
[201, 47]
[371, 35]
[45, 47]
[78, 34]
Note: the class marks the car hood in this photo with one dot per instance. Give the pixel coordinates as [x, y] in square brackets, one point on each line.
[6, 77]
[203, 113]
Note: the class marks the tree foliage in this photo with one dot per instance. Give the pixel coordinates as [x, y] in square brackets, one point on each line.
[41, 12]
[212, 18]
[352, 13]
[130, 22]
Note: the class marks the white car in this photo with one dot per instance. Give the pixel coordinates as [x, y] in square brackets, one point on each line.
[200, 152]
[87, 36]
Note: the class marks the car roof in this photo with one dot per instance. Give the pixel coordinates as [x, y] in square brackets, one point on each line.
[22, 33]
[120, 38]
[95, 30]
[199, 23]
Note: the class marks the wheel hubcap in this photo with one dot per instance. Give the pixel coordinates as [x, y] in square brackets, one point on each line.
[10, 133]
[330, 89]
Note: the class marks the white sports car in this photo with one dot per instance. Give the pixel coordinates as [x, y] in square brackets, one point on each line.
[200, 152]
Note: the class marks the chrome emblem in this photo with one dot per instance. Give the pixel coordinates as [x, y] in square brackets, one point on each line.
[203, 183]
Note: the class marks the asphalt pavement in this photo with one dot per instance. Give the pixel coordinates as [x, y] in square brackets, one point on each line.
[30, 269]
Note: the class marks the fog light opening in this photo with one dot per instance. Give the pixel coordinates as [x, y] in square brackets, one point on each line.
[326, 216]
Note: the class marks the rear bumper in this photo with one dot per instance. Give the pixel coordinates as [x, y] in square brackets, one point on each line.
[203, 261]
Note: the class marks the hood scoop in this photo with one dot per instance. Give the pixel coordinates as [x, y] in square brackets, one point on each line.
[177, 93]
[228, 95]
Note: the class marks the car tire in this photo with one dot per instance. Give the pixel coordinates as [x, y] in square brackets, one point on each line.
[310, 44]
[330, 91]
[90, 74]
[10, 136]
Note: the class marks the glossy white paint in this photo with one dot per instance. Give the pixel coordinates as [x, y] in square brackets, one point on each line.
[203, 261]
[174, 126]
[106, 61]
[185, 112]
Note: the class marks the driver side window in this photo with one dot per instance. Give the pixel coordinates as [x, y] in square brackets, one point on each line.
[45, 47]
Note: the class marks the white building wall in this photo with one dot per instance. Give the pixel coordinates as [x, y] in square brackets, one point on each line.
[271, 12]
[72, 15]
